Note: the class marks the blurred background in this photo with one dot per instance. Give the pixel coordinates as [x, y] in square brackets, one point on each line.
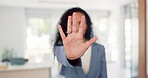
[28, 26]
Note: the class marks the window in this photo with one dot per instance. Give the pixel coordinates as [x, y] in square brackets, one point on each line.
[131, 38]
[37, 38]
[41, 24]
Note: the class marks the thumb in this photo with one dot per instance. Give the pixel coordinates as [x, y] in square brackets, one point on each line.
[91, 41]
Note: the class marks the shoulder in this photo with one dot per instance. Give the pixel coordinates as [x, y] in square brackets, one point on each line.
[99, 48]
[58, 47]
[98, 45]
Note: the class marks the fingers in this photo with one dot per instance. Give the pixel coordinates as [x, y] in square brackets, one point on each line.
[69, 29]
[61, 32]
[82, 25]
[75, 25]
[91, 41]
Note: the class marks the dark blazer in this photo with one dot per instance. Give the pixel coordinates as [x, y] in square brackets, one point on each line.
[73, 69]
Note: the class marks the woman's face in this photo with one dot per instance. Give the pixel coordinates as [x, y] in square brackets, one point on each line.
[78, 20]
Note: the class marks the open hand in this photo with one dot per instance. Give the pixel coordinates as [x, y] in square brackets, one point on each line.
[75, 44]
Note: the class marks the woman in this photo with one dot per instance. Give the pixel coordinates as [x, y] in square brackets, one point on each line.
[75, 48]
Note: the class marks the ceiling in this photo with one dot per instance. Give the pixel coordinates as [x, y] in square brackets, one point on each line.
[88, 4]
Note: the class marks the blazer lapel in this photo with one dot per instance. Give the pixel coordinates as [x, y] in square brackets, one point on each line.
[80, 73]
[93, 62]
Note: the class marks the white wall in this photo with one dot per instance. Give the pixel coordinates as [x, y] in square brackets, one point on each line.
[12, 24]
[117, 18]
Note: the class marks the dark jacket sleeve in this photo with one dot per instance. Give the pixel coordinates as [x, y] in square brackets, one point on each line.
[61, 57]
[103, 65]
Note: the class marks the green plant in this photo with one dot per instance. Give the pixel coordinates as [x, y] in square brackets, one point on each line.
[7, 53]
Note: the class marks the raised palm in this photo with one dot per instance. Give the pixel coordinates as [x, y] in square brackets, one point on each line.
[75, 44]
